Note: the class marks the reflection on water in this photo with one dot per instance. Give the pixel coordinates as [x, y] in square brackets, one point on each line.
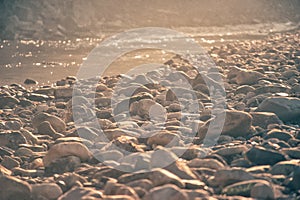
[48, 61]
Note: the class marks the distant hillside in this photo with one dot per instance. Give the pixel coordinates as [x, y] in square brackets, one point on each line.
[68, 18]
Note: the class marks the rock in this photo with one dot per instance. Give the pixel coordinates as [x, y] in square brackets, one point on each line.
[37, 97]
[244, 89]
[263, 156]
[295, 183]
[57, 123]
[81, 193]
[62, 165]
[109, 155]
[237, 123]
[244, 77]
[285, 167]
[12, 139]
[145, 108]
[161, 177]
[281, 135]
[206, 163]
[226, 177]
[10, 162]
[29, 81]
[4, 171]
[166, 192]
[8, 102]
[63, 92]
[14, 188]
[113, 188]
[262, 191]
[45, 128]
[292, 152]
[245, 188]
[46, 190]
[231, 150]
[286, 108]
[164, 138]
[67, 149]
[162, 157]
[263, 119]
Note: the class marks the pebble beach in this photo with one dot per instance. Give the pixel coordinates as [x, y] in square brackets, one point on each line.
[45, 155]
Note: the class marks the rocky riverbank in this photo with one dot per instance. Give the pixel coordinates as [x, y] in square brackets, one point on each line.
[257, 155]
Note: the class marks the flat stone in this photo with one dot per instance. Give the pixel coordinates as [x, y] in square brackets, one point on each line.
[161, 177]
[231, 150]
[263, 156]
[46, 190]
[81, 193]
[164, 138]
[237, 124]
[244, 188]
[14, 188]
[206, 163]
[67, 149]
[57, 123]
[281, 135]
[286, 108]
[263, 119]
[8, 102]
[165, 192]
[12, 139]
[285, 167]
[62, 165]
[226, 177]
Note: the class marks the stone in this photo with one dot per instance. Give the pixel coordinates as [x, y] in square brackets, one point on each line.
[63, 92]
[286, 108]
[57, 123]
[292, 152]
[244, 188]
[295, 183]
[231, 150]
[166, 192]
[4, 171]
[81, 193]
[263, 156]
[205, 163]
[263, 119]
[29, 81]
[285, 167]
[226, 177]
[262, 191]
[162, 157]
[113, 188]
[10, 162]
[244, 77]
[12, 139]
[164, 138]
[161, 177]
[237, 123]
[45, 128]
[67, 149]
[280, 135]
[145, 108]
[37, 97]
[46, 190]
[14, 188]
[62, 165]
[8, 102]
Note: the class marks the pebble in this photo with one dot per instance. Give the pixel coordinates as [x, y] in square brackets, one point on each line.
[67, 149]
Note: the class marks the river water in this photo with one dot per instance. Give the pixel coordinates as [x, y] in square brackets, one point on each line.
[52, 60]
